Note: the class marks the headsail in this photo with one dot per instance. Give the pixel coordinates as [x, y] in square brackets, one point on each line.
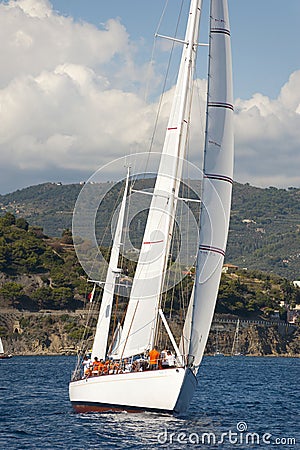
[102, 330]
[141, 318]
[217, 181]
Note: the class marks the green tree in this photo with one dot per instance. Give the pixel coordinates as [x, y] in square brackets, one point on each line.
[43, 297]
[4, 254]
[13, 292]
[22, 223]
[8, 220]
[62, 297]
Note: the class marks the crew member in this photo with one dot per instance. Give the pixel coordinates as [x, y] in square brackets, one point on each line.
[153, 358]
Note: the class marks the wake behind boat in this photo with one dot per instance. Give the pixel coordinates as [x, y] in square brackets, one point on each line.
[126, 369]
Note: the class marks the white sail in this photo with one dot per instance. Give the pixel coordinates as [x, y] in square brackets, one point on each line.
[1, 346]
[141, 318]
[115, 340]
[217, 181]
[113, 272]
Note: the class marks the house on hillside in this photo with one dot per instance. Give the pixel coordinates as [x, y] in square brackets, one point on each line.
[229, 268]
[248, 221]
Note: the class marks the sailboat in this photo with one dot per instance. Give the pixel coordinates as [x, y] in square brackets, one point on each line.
[170, 390]
[235, 351]
[3, 355]
[217, 350]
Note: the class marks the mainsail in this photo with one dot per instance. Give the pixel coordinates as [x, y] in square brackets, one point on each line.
[217, 181]
[141, 319]
[1, 346]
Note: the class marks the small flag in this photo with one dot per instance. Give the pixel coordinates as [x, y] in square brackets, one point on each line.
[91, 294]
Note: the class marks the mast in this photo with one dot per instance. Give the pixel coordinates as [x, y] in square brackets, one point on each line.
[217, 181]
[141, 318]
[113, 272]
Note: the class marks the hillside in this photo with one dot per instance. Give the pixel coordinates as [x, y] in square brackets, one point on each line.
[38, 272]
[264, 228]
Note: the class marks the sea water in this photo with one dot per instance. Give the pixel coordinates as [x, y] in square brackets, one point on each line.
[240, 402]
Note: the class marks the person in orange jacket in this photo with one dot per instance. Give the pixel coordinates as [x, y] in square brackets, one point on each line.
[95, 366]
[153, 358]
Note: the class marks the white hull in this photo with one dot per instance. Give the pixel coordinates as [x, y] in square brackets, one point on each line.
[167, 390]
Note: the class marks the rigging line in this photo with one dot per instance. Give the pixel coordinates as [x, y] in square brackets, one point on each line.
[153, 51]
[92, 307]
[181, 289]
[117, 203]
[163, 87]
[175, 241]
[162, 16]
[129, 330]
[168, 294]
[105, 234]
[83, 337]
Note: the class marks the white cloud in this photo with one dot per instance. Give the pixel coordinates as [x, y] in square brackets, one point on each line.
[35, 38]
[60, 107]
[70, 101]
[33, 8]
[267, 137]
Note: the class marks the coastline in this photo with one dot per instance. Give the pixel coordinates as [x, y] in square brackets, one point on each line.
[54, 333]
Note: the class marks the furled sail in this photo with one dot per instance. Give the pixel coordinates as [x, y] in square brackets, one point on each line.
[141, 318]
[217, 181]
[113, 272]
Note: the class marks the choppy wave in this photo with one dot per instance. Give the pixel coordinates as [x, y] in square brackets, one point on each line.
[241, 395]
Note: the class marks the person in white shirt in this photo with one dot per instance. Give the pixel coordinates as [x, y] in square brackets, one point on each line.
[86, 363]
[170, 359]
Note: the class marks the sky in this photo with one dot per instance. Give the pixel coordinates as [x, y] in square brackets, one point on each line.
[73, 76]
